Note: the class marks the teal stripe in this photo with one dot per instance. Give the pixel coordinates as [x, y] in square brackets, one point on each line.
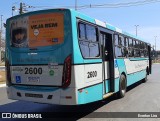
[137, 59]
[107, 86]
[116, 85]
[111, 27]
[121, 65]
[92, 60]
[135, 77]
[90, 94]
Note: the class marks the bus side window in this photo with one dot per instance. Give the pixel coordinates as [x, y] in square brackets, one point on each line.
[116, 42]
[91, 33]
[125, 52]
[130, 42]
[88, 41]
[121, 40]
[137, 52]
[126, 42]
[130, 52]
[118, 51]
[126, 47]
[82, 31]
[134, 43]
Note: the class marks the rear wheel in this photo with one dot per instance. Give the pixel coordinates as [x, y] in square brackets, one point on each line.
[145, 79]
[122, 86]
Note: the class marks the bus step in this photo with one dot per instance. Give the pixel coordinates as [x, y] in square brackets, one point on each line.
[108, 95]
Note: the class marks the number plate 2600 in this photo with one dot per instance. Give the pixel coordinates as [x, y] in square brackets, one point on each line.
[33, 70]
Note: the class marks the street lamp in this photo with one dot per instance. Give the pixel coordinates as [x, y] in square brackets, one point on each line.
[136, 28]
[75, 4]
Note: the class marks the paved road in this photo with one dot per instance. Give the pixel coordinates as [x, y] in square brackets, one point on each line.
[142, 97]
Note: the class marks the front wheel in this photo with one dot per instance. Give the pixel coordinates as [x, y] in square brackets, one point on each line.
[122, 86]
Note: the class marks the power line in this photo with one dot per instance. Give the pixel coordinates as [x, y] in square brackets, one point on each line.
[108, 5]
[118, 5]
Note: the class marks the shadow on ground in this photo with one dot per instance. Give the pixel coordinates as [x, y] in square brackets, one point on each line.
[57, 111]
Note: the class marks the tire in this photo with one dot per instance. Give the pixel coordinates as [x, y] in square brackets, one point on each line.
[145, 79]
[122, 86]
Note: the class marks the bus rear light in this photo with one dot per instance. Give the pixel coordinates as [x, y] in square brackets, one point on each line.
[66, 79]
[8, 74]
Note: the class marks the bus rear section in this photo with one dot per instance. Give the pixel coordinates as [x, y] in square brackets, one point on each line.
[39, 57]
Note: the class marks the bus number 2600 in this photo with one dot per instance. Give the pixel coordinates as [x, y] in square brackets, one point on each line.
[92, 74]
[33, 70]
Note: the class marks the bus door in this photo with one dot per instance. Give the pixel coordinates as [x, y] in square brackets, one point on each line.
[107, 62]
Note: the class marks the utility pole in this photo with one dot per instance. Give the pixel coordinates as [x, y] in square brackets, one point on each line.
[75, 4]
[21, 8]
[136, 28]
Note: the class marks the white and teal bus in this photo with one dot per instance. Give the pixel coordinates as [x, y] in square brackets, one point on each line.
[61, 56]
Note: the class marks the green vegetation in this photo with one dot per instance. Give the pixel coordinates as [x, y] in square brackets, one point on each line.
[156, 61]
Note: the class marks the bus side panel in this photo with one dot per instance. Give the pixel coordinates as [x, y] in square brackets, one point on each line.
[87, 91]
[136, 69]
[117, 74]
[121, 66]
[90, 94]
[76, 50]
[68, 96]
[135, 77]
[116, 85]
[107, 86]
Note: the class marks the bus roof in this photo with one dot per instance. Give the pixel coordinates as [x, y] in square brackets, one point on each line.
[108, 26]
[89, 19]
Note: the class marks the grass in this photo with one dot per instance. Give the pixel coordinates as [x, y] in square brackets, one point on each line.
[2, 77]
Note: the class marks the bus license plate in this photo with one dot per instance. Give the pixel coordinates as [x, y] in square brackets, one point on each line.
[33, 79]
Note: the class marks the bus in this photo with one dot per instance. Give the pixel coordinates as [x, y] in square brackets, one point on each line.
[61, 56]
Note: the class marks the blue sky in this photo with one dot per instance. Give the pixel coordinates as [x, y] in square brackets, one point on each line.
[125, 18]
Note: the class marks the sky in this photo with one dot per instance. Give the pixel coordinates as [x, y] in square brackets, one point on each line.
[146, 16]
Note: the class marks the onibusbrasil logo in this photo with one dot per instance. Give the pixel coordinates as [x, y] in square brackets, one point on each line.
[21, 115]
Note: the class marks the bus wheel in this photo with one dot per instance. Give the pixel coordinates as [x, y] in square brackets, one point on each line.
[122, 86]
[145, 79]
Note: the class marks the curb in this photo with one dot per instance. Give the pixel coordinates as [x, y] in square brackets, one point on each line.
[156, 63]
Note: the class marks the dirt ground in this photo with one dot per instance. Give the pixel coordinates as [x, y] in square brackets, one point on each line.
[2, 77]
